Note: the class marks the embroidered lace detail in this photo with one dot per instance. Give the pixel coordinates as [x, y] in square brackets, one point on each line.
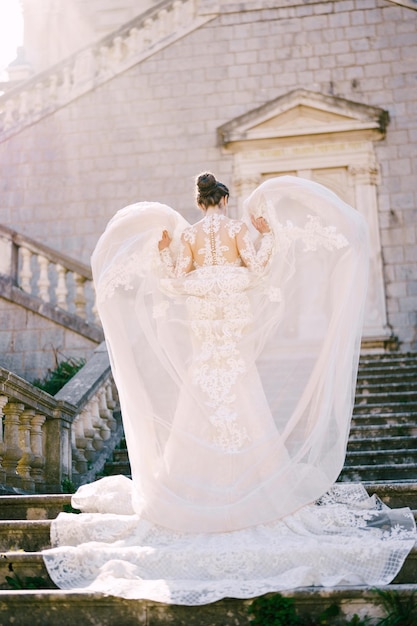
[166, 259]
[120, 275]
[189, 235]
[257, 261]
[313, 235]
[184, 260]
[220, 311]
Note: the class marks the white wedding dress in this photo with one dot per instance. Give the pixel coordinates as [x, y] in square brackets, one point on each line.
[235, 361]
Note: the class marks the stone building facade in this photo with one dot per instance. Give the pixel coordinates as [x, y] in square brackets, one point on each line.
[326, 90]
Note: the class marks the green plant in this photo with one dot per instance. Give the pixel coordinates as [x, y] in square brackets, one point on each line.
[325, 618]
[400, 610]
[58, 377]
[67, 508]
[68, 486]
[273, 611]
[27, 582]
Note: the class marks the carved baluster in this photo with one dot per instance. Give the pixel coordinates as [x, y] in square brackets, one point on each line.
[53, 89]
[26, 269]
[104, 63]
[66, 83]
[94, 311]
[38, 98]
[189, 9]
[12, 452]
[110, 404]
[79, 445]
[24, 465]
[177, 9]
[162, 23]
[9, 112]
[43, 281]
[80, 299]
[88, 430]
[84, 67]
[37, 445]
[147, 31]
[104, 413]
[23, 105]
[101, 430]
[3, 402]
[117, 49]
[133, 41]
[61, 288]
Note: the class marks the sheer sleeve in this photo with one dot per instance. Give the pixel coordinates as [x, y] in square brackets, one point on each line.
[183, 263]
[255, 260]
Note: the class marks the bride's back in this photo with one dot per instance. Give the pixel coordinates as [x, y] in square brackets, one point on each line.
[213, 240]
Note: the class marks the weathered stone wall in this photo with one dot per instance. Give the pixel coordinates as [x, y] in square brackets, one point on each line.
[29, 342]
[146, 133]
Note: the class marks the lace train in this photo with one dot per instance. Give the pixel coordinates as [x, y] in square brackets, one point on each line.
[345, 538]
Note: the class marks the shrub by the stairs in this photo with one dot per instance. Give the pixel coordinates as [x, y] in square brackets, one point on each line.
[58, 377]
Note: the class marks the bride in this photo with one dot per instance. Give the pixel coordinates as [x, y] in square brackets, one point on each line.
[234, 345]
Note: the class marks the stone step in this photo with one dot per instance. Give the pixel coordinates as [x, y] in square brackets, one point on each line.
[395, 494]
[388, 358]
[375, 431]
[374, 386]
[373, 443]
[379, 473]
[66, 608]
[379, 420]
[117, 467]
[120, 456]
[30, 565]
[379, 457]
[33, 507]
[387, 369]
[401, 397]
[27, 535]
[388, 409]
[34, 535]
[382, 372]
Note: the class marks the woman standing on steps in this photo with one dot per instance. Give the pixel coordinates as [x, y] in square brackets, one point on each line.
[234, 345]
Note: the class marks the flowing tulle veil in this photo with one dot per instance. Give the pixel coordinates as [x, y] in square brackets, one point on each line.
[236, 390]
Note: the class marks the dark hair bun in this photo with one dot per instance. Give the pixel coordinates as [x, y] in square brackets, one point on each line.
[206, 184]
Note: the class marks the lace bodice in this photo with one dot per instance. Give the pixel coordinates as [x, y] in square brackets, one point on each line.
[218, 240]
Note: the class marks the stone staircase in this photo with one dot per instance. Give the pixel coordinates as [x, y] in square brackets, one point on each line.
[382, 453]
[383, 437]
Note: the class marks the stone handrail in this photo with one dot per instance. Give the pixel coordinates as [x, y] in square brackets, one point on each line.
[45, 440]
[52, 89]
[95, 427]
[49, 275]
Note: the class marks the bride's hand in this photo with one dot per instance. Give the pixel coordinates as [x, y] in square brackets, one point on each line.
[165, 242]
[260, 224]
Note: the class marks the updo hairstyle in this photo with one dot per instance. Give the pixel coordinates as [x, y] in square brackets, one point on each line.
[209, 190]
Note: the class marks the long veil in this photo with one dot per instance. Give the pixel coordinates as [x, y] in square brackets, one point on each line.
[236, 391]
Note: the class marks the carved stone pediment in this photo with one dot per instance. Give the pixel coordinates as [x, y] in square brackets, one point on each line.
[303, 113]
[326, 139]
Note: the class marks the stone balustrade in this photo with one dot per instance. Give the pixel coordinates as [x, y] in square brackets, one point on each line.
[138, 39]
[51, 276]
[45, 440]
